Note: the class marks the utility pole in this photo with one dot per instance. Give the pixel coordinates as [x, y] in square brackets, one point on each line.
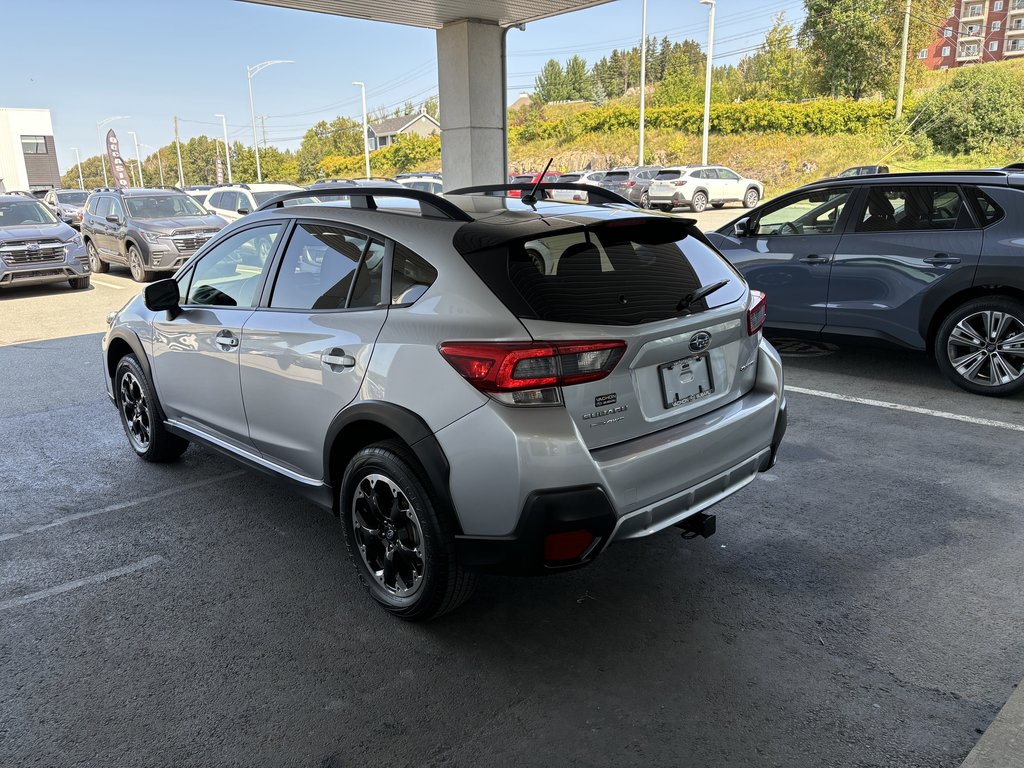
[903, 61]
[643, 76]
[366, 137]
[138, 157]
[707, 80]
[263, 125]
[81, 181]
[177, 143]
[227, 147]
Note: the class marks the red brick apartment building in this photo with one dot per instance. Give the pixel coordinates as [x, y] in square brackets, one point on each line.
[977, 32]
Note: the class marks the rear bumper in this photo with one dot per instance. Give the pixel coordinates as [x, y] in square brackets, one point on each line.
[627, 491]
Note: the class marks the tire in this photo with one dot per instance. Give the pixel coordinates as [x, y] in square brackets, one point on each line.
[699, 202]
[645, 201]
[96, 264]
[428, 580]
[79, 283]
[138, 267]
[752, 198]
[980, 346]
[140, 414]
[666, 208]
[716, 206]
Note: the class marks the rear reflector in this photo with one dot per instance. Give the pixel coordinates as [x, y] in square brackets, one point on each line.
[570, 545]
[757, 313]
[511, 367]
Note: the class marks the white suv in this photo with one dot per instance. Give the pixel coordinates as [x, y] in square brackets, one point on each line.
[233, 201]
[697, 186]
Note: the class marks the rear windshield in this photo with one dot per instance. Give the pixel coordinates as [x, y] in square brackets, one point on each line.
[569, 178]
[616, 175]
[668, 175]
[618, 275]
[523, 179]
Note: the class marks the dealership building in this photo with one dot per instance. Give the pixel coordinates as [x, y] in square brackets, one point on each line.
[28, 158]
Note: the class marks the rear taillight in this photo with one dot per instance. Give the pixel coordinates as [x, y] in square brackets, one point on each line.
[629, 184]
[528, 373]
[757, 313]
[679, 182]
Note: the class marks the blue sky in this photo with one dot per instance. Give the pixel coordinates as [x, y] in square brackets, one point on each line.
[188, 58]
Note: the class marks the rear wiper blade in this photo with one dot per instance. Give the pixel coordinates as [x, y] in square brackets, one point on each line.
[700, 293]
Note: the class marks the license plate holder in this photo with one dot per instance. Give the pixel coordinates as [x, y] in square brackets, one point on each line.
[686, 380]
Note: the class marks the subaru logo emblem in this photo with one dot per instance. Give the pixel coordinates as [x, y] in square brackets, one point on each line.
[700, 341]
[32, 246]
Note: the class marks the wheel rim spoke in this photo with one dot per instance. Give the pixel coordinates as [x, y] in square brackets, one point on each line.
[964, 334]
[985, 348]
[134, 410]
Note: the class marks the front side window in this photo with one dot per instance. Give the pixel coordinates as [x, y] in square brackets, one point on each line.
[33, 145]
[914, 209]
[163, 206]
[812, 213]
[725, 173]
[318, 267]
[116, 208]
[229, 274]
[25, 213]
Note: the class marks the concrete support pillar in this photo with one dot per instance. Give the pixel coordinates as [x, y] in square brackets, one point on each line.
[471, 91]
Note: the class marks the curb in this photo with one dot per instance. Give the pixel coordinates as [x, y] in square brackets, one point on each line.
[1002, 745]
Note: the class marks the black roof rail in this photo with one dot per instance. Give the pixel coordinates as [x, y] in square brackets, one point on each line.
[331, 181]
[1014, 167]
[363, 197]
[602, 195]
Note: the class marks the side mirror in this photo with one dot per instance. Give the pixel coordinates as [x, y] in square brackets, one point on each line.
[741, 228]
[113, 218]
[66, 218]
[163, 295]
[242, 211]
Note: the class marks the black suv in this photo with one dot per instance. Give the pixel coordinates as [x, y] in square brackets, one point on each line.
[148, 230]
[928, 261]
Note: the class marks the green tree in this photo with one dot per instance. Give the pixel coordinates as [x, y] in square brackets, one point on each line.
[980, 108]
[432, 107]
[342, 136]
[550, 83]
[779, 69]
[577, 80]
[92, 173]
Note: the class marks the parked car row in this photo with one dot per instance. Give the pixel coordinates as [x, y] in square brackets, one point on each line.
[684, 186]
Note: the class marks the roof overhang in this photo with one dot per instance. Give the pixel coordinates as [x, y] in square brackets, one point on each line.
[434, 14]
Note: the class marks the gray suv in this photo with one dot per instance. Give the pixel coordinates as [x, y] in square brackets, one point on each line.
[148, 230]
[471, 383]
[927, 261]
[36, 247]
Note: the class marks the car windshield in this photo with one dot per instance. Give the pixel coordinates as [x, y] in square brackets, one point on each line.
[25, 212]
[72, 198]
[262, 197]
[163, 207]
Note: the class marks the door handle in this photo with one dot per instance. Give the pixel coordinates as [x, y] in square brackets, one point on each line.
[815, 259]
[226, 339]
[336, 358]
[942, 258]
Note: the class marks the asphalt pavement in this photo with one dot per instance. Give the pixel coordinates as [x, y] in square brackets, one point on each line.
[860, 604]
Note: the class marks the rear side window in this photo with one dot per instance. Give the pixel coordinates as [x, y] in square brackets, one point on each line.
[619, 275]
[317, 269]
[667, 175]
[93, 203]
[369, 280]
[411, 276]
[104, 206]
[914, 208]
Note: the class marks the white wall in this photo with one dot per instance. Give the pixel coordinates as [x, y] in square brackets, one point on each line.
[15, 123]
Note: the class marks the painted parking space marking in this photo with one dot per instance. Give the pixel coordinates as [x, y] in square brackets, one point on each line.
[109, 285]
[99, 578]
[185, 487]
[908, 409]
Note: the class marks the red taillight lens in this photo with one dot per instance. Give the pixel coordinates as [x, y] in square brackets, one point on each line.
[501, 367]
[570, 545]
[629, 184]
[757, 313]
[680, 182]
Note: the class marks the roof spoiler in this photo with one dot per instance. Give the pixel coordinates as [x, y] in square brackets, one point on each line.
[595, 194]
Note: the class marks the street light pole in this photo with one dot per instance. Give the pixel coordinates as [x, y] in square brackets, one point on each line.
[251, 72]
[643, 76]
[159, 162]
[99, 136]
[78, 157]
[227, 150]
[366, 138]
[138, 157]
[707, 79]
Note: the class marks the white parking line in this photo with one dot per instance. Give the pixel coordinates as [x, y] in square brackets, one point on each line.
[908, 408]
[99, 578]
[109, 285]
[123, 505]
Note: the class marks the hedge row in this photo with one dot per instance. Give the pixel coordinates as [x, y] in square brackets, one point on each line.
[822, 117]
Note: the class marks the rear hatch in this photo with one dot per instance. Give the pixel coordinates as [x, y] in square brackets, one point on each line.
[666, 183]
[622, 281]
[615, 181]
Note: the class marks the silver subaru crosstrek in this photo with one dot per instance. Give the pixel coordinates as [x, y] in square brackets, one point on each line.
[472, 383]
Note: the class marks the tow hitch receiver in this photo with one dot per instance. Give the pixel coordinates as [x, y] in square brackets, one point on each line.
[697, 525]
